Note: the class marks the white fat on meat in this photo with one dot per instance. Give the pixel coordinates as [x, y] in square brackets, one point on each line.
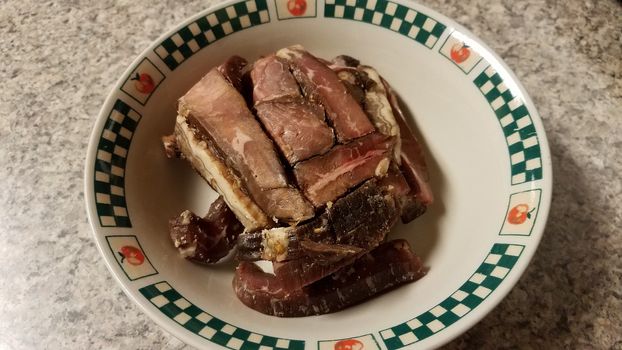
[290, 52]
[275, 242]
[186, 252]
[382, 168]
[219, 177]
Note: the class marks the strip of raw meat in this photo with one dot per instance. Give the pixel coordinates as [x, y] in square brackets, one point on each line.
[360, 219]
[206, 161]
[390, 265]
[326, 177]
[319, 83]
[219, 113]
[365, 84]
[297, 128]
[413, 160]
[272, 81]
[205, 240]
[321, 260]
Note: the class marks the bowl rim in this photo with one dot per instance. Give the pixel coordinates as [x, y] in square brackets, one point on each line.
[546, 184]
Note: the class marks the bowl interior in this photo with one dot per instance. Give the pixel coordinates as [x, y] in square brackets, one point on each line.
[473, 254]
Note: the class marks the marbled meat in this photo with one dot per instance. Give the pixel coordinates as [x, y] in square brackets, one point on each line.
[325, 178]
[315, 163]
[321, 84]
[219, 113]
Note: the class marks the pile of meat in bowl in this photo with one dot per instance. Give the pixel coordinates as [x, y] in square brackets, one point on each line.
[314, 163]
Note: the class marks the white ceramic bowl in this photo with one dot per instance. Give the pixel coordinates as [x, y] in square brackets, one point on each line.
[487, 151]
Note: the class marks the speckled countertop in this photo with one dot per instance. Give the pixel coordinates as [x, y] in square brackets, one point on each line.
[59, 60]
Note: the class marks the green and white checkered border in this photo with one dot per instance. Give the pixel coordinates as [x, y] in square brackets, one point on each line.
[206, 30]
[398, 18]
[517, 125]
[473, 292]
[192, 318]
[112, 150]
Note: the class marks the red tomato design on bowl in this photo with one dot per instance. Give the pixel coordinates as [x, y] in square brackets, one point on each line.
[460, 52]
[132, 255]
[296, 7]
[519, 214]
[143, 83]
[349, 344]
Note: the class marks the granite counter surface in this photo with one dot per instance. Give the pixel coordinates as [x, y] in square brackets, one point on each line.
[60, 59]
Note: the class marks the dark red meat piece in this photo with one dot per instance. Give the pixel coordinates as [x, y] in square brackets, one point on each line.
[206, 240]
[324, 178]
[320, 261]
[321, 84]
[272, 81]
[364, 217]
[297, 128]
[361, 219]
[219, 113]
[390, 265]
